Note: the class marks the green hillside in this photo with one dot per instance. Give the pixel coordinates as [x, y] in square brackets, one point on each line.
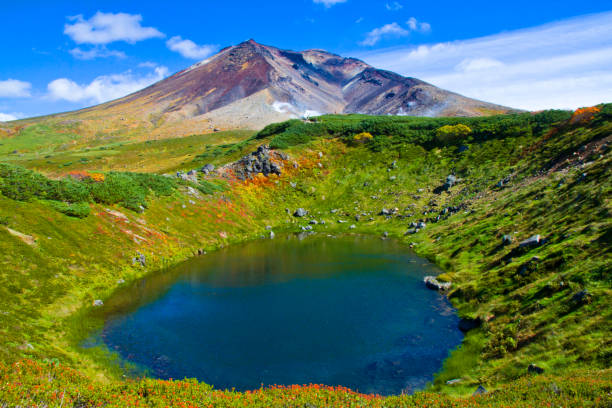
[464, 192]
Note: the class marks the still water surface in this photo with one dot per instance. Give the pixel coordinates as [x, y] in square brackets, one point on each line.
[349, 311]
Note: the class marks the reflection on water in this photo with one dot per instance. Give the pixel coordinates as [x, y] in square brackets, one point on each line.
[338, 311]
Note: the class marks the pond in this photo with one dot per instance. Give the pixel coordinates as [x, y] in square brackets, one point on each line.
[350, 311]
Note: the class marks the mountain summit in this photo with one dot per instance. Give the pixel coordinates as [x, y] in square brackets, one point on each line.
[251, 85]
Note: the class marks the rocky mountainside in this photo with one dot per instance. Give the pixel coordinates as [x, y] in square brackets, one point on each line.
[251, 85]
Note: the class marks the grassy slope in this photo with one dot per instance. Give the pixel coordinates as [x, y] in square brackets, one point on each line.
[47, 286]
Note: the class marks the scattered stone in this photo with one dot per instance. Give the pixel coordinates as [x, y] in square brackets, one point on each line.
[534, 369]
[453, 381]
[257, 162]
[208, 168]
[272, 235]
[120, 282]
[313, 222]
[533, 241]
[480, 391]
[98, 303]
[392, 178]
[190, 176]
[320, 155]
[432, 283]
[385, 234]
[268, 227]
[352, 226]
[341, 221]
[582, 297]
[307, 228]
[507, 240]
[300, 212]
[140, 259]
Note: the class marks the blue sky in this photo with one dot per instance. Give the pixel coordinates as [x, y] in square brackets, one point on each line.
[64, 55]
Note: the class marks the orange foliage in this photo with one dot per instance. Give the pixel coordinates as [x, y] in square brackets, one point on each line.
[584, 115]
[84, 175]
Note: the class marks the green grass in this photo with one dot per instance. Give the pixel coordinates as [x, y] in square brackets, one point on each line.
[528, 309]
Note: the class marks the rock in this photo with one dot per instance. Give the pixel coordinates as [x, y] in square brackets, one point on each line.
[98, 303]
[432, 283]
[532, 241]
[353, 226]
[384, 211]
[392, 178]
[333, 211]
[453, 381]
[216, 130]
[120, 282]
[307, 228]
[421, 225]
[466, 324]
[385, 234]
[320, 155]
[140, 259]
[292, 184]
[300, 212]
[313, 222]
[341, 221]
[534, 369]
[268, 227]
[582, 297]
[255, 163]
[480, 391]
[507, 240]
[272, 235]
[208, 168]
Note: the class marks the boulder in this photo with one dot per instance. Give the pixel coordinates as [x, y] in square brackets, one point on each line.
[534, 369]
[582, 297]
[479, 391]
[98, 303]
[300, 212]
[530, 242]
[432, 283]
[208, 168]
[507, 240]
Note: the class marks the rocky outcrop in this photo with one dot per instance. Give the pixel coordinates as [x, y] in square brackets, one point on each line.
[432, 283]
[263, 160]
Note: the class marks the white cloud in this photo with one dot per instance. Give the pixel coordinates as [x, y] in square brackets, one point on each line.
[388, 30]
[415, 25]
[103, 88]
[104, 28]
[13, 88]
[96, 52]
[189, 49]
[395, 6]
[559, 65]
[6, 117]
[329, 3]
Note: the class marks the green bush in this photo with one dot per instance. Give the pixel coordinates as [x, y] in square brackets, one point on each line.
[127, 189]
[78, 210]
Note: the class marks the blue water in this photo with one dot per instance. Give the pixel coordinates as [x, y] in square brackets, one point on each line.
[336, 311]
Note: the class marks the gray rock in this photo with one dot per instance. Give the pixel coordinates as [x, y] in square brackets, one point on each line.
[582, 297]
[307, 228]
[268, 227]
[385, 234]
[208, 168]
[392, 178]
[272, 235]
[352, 226]
[534, 369]
[98, 303]
[292, 184]
[432, 283]
[421, 225]
[532, 241]
[139, 259]
[480, 391]
[507, 240]
[313, 222]
[453, 381]
[300, 212]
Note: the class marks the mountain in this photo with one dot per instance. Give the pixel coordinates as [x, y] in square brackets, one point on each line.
[251, 85]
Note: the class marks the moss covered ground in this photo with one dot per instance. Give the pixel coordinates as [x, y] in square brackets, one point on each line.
[515, 176]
